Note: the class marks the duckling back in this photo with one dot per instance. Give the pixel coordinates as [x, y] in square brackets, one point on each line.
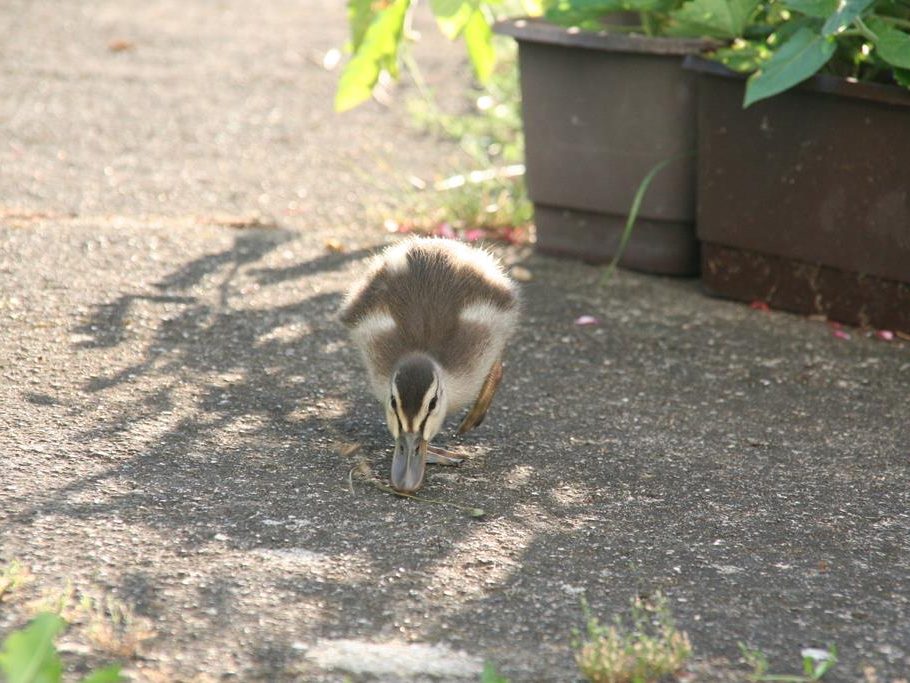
[435, 296]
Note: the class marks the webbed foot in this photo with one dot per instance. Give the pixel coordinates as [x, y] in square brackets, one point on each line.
[484, 399]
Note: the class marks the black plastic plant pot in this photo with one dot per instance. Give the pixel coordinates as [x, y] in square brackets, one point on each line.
[599, 112]
[804, 198]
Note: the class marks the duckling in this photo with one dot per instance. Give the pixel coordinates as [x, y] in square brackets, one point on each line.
[431, 318]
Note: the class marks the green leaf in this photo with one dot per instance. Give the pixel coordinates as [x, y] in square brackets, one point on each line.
[591, 12]
[796, 60]
[790, 28]
[713, 18]
[29, 655]
[743, 56]
[491, 675]
[847, 11]
[820, 9]
[479, 40]
[893, 45]
[377, 51]
[808, 666]
[360, 14]
[109, 674]
[453, 15]
[902, 77]
[581, 12]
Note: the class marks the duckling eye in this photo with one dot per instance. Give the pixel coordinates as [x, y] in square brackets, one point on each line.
[432, 405]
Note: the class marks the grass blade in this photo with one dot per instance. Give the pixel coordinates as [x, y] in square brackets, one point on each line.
[633, 214]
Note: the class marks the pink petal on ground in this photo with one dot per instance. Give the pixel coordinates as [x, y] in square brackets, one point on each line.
[759, 305]
[474, 235]
[885, 335]
[586, 320]
[444, 230]
[840, 334]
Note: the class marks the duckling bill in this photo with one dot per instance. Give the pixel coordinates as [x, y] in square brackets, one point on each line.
[431, 318]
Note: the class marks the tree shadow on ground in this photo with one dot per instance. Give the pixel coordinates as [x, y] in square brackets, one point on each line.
[234, 415]
[242, 398]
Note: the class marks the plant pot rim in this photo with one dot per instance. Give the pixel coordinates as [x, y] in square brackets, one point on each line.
[535, 30]
[820, 83]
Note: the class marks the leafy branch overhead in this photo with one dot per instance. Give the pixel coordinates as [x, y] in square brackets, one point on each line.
[377, 36]
[859, 39]
[375, 41]
[713, 18]
[780, 43]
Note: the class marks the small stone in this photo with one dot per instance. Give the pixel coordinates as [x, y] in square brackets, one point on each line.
[521, 274]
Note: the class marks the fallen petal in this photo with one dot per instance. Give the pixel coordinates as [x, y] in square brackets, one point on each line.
[759, 305]
[840, 334]
[584, 320]
[886, 335]
[120, 45]
[474, 235]
[444, 230]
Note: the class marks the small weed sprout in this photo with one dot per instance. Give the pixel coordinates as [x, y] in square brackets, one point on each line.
[112, 626]
[648, 649]
[59, 601]
[492, 199]
[816, 663]
[107, 623]
[29, 654]
[12, 577]
[490, 674]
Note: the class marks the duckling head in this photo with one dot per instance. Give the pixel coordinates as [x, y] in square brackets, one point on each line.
[415, 411]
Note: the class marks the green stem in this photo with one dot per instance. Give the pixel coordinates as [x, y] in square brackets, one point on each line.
[897, 21]
[438, 117]
[646, 23]
[865, 30]
[633, 213]
[416, 76]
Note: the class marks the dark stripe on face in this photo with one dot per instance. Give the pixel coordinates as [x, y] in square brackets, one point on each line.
[427, 416]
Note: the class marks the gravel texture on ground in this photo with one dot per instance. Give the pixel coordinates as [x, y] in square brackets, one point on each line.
[181, 413]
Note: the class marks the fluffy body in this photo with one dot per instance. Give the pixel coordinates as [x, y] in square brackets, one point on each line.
[437, 297]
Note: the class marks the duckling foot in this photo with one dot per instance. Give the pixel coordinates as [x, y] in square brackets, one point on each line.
[440, 456]
[484, 399]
